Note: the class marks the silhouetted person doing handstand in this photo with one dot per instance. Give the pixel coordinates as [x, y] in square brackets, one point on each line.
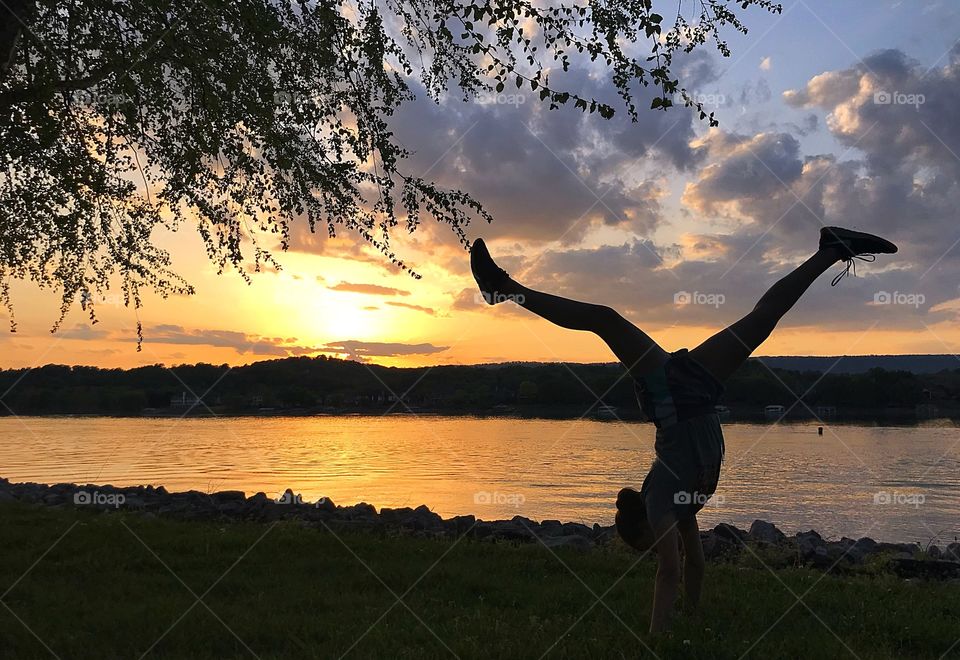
[678, 392]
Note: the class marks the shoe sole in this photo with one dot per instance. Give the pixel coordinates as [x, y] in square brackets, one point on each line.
[846, 235]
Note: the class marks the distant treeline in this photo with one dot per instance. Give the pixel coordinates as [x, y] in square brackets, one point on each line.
[328, 384]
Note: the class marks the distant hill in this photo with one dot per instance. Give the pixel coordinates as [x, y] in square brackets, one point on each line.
[858, 364]
[901, 387]
[838, 364]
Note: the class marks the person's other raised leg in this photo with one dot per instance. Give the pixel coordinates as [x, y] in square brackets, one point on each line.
[724, 352]
[638, 352]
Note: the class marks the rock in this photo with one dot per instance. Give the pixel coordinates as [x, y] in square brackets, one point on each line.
[230, 503]
[574, 541]
[258, 500]
[821, 557]
[716, 546]
[898, 549]
[730, 533]
[603, 534]
[952, 552]
[867, 545]
[361, 511]
[423, 519]
[289, 497]
[906, 559]
[526, 523]
[229, 496]
[395, 516]
[808, 542]
[258, 507]
[460, 524]
[508, 530]
[766, 532]
[577, 528]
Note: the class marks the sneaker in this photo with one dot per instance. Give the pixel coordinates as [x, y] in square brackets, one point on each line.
[489, 276]
[854, 245]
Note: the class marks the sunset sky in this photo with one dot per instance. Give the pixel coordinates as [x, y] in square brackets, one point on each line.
[831, 113]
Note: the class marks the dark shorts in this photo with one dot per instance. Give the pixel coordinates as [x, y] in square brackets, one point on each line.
[686, 470]
[680, 399]
[680, 389]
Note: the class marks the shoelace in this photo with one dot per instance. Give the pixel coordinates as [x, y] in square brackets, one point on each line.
[852, 266]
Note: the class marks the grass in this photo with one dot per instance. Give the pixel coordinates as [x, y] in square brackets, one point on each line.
[123, 586]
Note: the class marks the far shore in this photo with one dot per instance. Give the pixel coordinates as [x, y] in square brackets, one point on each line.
[873, 417]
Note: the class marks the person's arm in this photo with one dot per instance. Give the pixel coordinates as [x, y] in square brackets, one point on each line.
[667, 584]
[693, 564]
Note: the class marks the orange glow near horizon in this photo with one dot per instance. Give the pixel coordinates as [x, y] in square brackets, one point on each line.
[316, 303]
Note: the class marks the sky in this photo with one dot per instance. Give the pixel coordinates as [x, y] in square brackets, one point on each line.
[832, 113]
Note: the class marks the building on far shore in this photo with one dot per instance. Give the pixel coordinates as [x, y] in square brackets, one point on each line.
[773, 412]
[185, 400]
[826, 412]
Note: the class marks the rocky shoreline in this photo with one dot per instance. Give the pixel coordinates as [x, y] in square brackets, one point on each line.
[724, 542]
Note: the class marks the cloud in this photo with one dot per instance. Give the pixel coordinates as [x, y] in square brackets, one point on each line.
[766, 64]
[762, 202]
[901, 116]
[83, 332]
[746, 172]
[417, 308]
[363, 350]
[370, 289]
[728, 273]
[241, 342]
[551, 174]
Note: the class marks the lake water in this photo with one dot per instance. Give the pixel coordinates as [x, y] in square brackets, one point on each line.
[890, 483]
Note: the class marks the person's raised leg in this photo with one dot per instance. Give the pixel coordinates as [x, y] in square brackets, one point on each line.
[638, 352]
[724, 352]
